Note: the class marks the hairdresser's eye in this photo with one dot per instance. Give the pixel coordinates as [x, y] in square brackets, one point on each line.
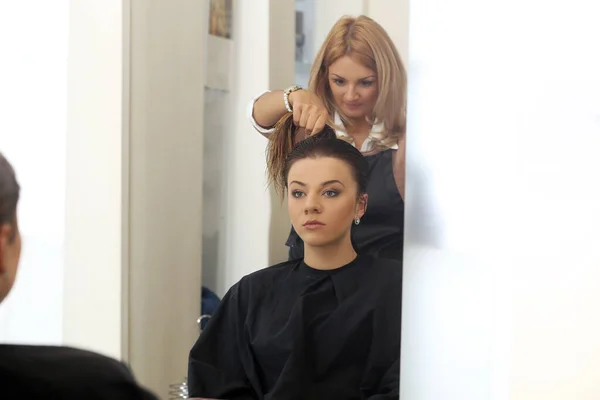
[297, 194]
[367, 83]
[330, 193]
[338, 82]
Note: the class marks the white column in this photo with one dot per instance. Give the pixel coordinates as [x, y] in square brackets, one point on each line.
[164, 200]
[502, 278]
[94, 296]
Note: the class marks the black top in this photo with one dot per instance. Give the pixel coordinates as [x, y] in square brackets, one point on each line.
[381, 230]
[48, 372]
[293, 332]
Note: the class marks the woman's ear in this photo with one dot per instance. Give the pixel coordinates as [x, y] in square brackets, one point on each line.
[5, 234]
[361, 207]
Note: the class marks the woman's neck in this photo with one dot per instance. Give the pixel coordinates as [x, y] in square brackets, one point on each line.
[329, 257]
[359, 130]
[359, 126]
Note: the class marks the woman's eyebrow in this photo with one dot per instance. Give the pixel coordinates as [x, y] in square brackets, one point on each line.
[360, 79]
[329, 182]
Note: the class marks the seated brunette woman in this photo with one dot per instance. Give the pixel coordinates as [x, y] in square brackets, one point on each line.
[326, 326]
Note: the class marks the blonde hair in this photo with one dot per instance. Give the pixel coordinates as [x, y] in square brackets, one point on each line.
[368, 43]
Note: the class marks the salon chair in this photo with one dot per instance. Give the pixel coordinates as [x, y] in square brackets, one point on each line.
[208, 306]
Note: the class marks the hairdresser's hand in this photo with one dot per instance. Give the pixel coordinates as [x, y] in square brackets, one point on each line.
[309, 111]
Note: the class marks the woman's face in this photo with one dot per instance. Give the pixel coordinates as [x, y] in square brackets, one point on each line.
[323, 200]
[353, 86]
[10, 253]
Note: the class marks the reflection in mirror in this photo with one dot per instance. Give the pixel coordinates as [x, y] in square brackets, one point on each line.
[335, 151]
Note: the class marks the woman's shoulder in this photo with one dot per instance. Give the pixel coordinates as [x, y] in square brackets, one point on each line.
[380, 152]
[267, 276]
[273, 270]
[387, 269]
[68, 370]
[384, 280]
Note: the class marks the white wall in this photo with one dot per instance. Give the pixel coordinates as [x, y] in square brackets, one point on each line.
[392, 15]
[167, 72]
[245, 225]
[33, 105]
[94, 197]
[281, 73]
[217, 105]
[328, 12]
[501, 268]
[247, 205]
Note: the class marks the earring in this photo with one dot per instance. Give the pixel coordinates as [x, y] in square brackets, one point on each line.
[357, 221]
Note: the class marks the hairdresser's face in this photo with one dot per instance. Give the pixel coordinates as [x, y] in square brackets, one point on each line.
[10, 253]
[323, 200]
[353, 86]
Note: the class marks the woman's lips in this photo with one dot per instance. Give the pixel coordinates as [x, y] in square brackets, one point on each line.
[313, 225]
[353, 105]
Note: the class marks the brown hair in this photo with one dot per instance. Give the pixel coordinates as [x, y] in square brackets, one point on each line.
[9, 193]
[282, 153]
[366, 41]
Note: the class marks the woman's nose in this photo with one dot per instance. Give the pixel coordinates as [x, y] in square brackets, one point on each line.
[351, 93]
[312, 205]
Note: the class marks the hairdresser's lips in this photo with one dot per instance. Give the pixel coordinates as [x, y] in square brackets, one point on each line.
[313, 224]
[353, 106]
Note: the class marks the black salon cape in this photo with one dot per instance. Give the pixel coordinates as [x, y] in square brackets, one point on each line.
[63, 373]
[293, 332]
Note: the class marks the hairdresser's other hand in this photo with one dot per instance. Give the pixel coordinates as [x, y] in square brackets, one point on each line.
[309, 111]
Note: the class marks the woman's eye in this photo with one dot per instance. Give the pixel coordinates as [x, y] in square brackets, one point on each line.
[367, 83]
[330, 193]
[297, 194]
[338, 81]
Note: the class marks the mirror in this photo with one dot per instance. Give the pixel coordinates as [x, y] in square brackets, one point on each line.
[245, 225]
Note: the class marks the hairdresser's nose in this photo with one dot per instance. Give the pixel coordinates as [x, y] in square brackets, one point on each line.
[312, 205]
[351, 94]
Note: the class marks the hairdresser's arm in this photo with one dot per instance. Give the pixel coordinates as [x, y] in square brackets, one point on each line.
[309, 111]
[269, 108]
